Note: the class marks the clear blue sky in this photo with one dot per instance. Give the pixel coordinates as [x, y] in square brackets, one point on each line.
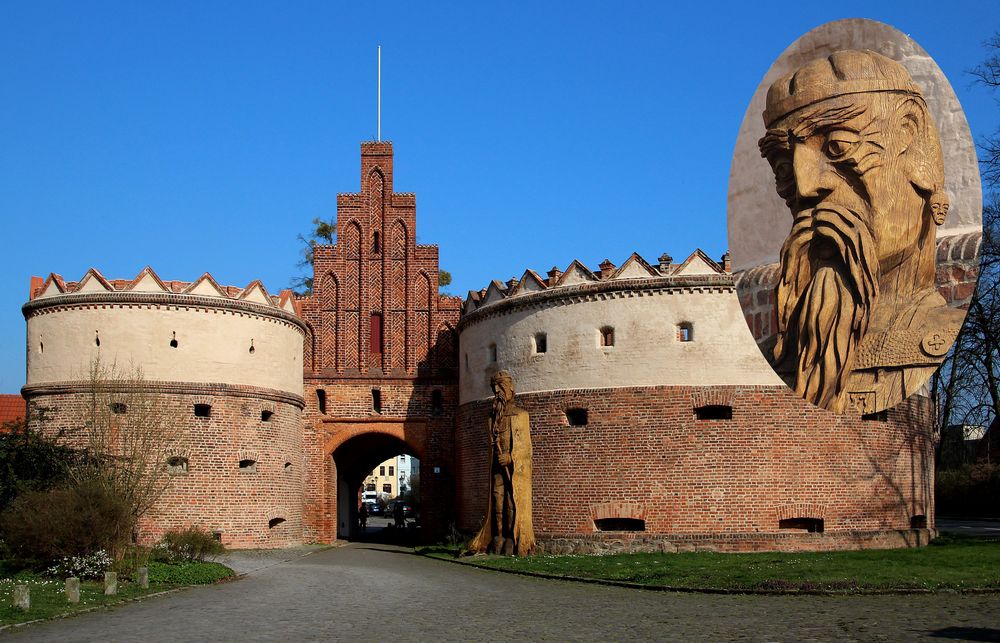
[204, 136]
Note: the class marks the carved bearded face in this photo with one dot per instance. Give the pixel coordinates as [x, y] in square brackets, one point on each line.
[854, 157]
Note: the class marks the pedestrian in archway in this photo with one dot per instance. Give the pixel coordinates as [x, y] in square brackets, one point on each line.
[398, 516]
[363, 515]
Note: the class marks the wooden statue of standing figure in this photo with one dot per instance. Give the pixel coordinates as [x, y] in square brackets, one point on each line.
[507, 528]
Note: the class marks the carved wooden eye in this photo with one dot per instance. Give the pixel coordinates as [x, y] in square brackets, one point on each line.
[840, 144]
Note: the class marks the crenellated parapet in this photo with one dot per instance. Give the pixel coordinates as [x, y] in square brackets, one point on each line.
[189, 332]
[577, 280]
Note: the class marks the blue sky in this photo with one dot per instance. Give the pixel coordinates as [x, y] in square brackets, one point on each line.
[204, 136]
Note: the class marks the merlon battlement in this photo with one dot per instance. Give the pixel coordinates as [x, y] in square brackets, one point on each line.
[635, 267]
[147, 281]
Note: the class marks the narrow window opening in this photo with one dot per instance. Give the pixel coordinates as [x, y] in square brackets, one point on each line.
[173, 340]
[119, 407]
[811, 525]
[620, 524]
[177, 465]
[248, 465]
[918, 522]
[41, 345]
[265, 415]
[252, 349]
[381, 471]
[376, 333]
[576, 417]
[391, 471]
[541, 343]
[376, 243]
[217, 535]
[376, 400]
[685, 332]
[288, 466]
[321, 400]
[466, 361]
[437, 401]
[878, 416]
[493, 353]
[714, 412]
[607, 336]
[202, 410]
[274, 522]
[97, 339]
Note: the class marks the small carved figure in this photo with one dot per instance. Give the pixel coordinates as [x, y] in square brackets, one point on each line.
[939, 207]
[507, 528]
[857, 159]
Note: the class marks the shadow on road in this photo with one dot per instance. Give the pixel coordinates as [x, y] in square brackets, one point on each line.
[967, 633]
[382, 531]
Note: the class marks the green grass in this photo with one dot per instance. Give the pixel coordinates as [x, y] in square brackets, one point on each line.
[48, 598]
[948, 563]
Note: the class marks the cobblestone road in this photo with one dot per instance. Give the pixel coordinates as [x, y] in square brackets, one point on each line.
[375, 592]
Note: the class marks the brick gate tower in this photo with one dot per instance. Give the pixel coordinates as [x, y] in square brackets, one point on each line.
[380, 357]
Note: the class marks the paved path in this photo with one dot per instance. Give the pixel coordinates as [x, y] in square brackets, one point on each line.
[378, 592]
[969, 527]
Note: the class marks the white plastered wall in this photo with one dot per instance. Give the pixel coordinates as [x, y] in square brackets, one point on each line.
[213, 345]
[647, 351]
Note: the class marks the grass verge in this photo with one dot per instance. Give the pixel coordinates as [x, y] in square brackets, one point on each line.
[48, 598]
[949, 563]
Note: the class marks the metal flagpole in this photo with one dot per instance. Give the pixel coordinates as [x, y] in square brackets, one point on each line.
[379, 133]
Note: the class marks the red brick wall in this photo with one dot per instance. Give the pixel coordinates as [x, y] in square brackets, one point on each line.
[398, 280]
[215, 494]
[720, 483]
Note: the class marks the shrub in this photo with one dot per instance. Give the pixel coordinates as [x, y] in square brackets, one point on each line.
[188, 573]
[970, 490]
[192, 543]
[77, 520]
[88, 566]
[29, 462]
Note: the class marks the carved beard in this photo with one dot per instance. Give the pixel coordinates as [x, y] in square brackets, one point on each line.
[499, 407]
[828, 287]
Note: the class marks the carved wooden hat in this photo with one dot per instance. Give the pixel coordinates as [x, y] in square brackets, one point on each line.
[840, 74]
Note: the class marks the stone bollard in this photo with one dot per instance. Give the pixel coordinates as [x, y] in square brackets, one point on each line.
[22, 598]
[110, 583]
[144, 577]
[73, 589]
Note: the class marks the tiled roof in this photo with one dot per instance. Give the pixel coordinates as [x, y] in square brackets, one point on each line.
[12, 408]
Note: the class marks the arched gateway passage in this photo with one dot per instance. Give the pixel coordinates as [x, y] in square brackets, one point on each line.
[354, 449]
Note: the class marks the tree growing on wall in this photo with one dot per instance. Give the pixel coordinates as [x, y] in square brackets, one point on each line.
[323, 232]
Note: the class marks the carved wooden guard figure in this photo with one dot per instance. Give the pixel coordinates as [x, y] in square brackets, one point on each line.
[857, 159]
[507, 529]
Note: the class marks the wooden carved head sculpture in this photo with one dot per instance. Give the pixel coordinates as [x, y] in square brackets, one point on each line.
[857, 159]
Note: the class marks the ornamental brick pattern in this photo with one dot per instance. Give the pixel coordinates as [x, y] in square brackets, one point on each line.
[722, 484]
[374, 306]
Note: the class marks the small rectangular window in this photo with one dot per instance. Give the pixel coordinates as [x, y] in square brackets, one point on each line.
[714, 412]
[202, 410]
[685, 332]
[376, 400]
[576, 417]
[321, 400]
[811, 525]
[877, 416]
[265, 415]
[607, 336]
[391, 471]
[541, 343]
[370, 486]
[119, 407]
[493, 353]
[387, 488]
[381, 471]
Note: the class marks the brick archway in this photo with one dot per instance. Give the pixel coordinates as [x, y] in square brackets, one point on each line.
[351, 448]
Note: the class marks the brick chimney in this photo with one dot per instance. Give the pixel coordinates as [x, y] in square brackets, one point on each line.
[554, 275]
[606, 269]
[665, 261]
[727, 264]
